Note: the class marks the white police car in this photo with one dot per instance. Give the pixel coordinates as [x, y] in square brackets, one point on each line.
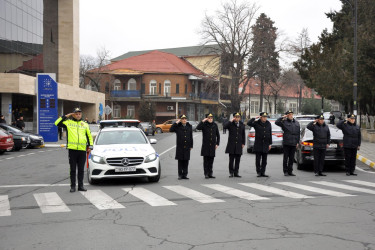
[123, 152]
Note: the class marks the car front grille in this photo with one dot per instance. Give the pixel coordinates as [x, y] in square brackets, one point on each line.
[116, 162]
[112, 172]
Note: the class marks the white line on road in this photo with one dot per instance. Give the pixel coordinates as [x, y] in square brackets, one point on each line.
[314, 189]
[343, 186]
[149, 197]
[4, 206]
[276, 191]
[235, 192]
[31, 154]
[41, 151]
[362, 170]
[21, 155]
[50, 203]
[101, 200]
[9, 158]
[192, 194]
[35, 185]
[364, 183]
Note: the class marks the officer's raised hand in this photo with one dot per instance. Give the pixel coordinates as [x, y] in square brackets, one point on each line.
[178, 121]
[205, 119]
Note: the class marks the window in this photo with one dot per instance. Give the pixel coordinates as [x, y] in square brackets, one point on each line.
[143, 88]
[152, 87]
[266, 107]
[293, 107]
[167, 88]
[132, 84]
[107, 87]
[131, 111]
[159, 88]
[117, 84]
[177, 88]
[254, 107]
[116, 111]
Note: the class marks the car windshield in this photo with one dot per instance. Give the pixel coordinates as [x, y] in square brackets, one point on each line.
[120, 137]
[303, 123]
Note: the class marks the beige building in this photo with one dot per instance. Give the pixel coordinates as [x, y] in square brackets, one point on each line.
[42, 37]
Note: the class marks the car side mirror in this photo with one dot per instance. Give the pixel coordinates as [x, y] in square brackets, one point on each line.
[153, 141]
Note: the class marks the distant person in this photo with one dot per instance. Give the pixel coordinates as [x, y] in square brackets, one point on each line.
[87, 120]
[93, 121]
[225, 119]
[20, 123]
[2, 119]
[153, 125]
[332, 119]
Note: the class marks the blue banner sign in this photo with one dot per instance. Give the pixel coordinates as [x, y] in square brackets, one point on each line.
[47, 107]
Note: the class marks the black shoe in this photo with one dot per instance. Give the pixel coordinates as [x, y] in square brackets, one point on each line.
[353, 174]
[82, 189]
[211, 176]
[321, 174]
[291, 174]
[72, 190]
[231, 175]
[206, 177]
[264, 175]
[238, 176]
[316, 174]
[347, 174]
[185, 177]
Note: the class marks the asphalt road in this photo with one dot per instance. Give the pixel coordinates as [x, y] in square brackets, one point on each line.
[279, 212]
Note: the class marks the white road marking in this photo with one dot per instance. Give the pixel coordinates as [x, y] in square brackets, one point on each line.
[149, 197]
[9, 158]
[21, 155]
[360, 169]
[314, 189]
[343, 186]
[192, 194]
[4, 206]
[50, 203]
[364, 183]
[35, 185]
[235, 192]
[31, 154]
[41, 151]
[101, 200]
[276, 191]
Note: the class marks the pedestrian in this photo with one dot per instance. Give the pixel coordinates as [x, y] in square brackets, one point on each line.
[291, 138]
[20, 123]
[224, 121]
[321, 141]
[236, 142]
[352, 142]
[79, 142]
[87, 120]
[2, 119]
[263, 141]
[93, 121]
[332, 119]
[153, 125]
[184, 144]
[210, 142]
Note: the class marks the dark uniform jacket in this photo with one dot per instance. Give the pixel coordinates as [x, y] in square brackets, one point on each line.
[236, 137]
[184, 140]
[2, 121]
[321, 133]
[263, 135]
[20, 124]
[291, 130]
[211, 138]
[352, 134]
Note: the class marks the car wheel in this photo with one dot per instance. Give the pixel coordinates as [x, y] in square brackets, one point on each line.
[90, 180]
[155, 178]
[17, 148]
[159, 131]
[2, 152]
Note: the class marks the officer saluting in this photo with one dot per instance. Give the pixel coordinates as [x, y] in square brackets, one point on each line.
[263, 141]
[352, 142]
[236, 142]
[291, 138]
[322, 138]
[184, 143]
[210, 142]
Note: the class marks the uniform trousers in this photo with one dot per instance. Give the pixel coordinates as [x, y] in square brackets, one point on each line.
[183, 168]
[77, 159]
[288, 158]
[208, 161]
[261, 166]
[319, 156]
[234, 158]
[350, 159]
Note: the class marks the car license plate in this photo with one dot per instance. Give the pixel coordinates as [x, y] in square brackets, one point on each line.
[332, 146]
[126, 169]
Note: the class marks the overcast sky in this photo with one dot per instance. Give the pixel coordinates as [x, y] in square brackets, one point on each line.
[130, 25]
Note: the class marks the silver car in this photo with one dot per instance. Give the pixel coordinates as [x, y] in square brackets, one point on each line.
[277, 137]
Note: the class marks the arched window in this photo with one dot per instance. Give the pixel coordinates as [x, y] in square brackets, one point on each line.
[117, 84]
[153, 87]
[132, 84]
[167, 88]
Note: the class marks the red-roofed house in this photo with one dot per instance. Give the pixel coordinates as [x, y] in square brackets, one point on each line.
[172, 83]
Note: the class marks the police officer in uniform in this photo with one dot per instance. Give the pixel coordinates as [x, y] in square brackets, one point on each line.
[184, 143]
[321, 141]
[210, 142]
[236, 142]
[291, 138]
[79, 141]
[263, 141]
[352, 142]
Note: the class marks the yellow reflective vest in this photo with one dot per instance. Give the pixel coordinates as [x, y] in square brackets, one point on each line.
[78, 133]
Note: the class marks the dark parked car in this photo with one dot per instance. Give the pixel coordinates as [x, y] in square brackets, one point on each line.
[27, 139]
[304, 153]
[147, 128]
[6, 141]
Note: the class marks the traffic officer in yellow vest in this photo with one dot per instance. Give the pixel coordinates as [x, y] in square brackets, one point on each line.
[79, 141]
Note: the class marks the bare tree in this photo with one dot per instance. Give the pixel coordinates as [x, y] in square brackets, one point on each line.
[292, 78]
[230, 30]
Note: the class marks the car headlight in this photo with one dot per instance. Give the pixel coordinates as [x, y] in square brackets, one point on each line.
[97, 159]
[151, 157]
[23, 138]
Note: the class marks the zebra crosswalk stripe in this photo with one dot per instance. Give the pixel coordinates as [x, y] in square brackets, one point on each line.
[4, 206]
[315, 189]
[364, 183]
[149, 197]
[235, 192]
[50, 203]
[192, 194]
[343, 186]
[277, 191]
[101, 200]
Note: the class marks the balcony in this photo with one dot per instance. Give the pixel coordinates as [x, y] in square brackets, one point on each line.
[126, 93]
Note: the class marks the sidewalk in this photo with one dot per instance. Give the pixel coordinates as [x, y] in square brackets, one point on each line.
[366, 154]
[58, 144]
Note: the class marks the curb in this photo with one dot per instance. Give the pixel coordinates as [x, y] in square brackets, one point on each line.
[53, 146]
[366, 161]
